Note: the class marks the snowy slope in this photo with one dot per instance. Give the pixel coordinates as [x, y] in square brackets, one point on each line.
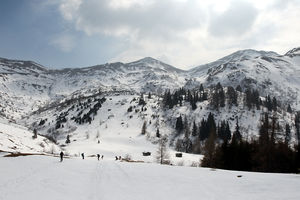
[270, 73]
[15, 138]
[38, 177]
[26, 86]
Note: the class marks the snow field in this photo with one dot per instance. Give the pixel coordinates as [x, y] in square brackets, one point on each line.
[43, 177]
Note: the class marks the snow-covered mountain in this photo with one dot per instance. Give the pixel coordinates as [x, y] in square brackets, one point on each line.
[65, 102]
[270, 73]
[26, 86]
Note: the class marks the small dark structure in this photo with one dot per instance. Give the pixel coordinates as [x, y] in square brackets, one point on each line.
[178, 155]
[146, 153]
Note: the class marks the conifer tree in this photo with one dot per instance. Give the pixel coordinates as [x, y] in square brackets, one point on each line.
[157, 133]
[289, 109]
[238, 88]
[34, 134]
[287, 137]
[237, 134]
[144, 128]
[142, 101]
[68, 139]
[179, 124]
[195, 129]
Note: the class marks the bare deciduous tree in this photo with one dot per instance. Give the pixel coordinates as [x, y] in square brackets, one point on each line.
[162, 151]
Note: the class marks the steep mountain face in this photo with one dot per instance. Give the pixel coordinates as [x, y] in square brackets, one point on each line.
[141, 76]
[270, 73]
[24, 86]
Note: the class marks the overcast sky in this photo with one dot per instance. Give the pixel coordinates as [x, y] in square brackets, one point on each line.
[183, 33]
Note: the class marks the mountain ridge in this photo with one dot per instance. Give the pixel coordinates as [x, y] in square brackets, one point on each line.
[32, 85]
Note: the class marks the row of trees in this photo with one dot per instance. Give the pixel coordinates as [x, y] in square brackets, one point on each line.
[192, 139]
[218, 98]
[89, 116]
[268, 153]
[177, 97]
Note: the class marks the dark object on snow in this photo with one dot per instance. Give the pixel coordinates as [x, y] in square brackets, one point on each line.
[120, 158]
[82, 155]
[178, 155]
[239, 176]
[146, 153]
[98, 156]
[61, 156]
[102, 157]
[116, 157]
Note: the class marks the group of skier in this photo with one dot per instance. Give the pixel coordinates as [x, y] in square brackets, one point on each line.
[82, 155]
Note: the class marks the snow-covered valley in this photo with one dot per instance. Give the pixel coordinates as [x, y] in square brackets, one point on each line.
[44, 177]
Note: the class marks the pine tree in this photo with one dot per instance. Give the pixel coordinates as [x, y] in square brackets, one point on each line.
[194, 130]
[238, 88]
[179, 124]
[274, 128]
[142, 101]
[248, 98]
[289, 109]
[157, 133]
[68, 139]
[237, 137]
[287, 137]
[144, 128]
[34, 134]
[203, 130]
[268, 103]
[227, 132]
[232, 96]
[209, 148]
[264, 137]
[297, 125]
[274, 104]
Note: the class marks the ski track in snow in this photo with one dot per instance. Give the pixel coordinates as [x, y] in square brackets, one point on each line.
[40, 177]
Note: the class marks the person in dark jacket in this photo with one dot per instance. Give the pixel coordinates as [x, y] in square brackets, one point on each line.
[61, 156]
[82, 155]
[98, 156]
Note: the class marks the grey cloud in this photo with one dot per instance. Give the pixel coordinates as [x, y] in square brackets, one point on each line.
[160, 18]
[236, 20]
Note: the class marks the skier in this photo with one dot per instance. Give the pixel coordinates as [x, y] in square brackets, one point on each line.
[61, 156]
[116, 157]
[98, 156]
[102, 157]
[82, 155]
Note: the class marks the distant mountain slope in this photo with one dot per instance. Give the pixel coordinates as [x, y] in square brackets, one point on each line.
[270, 73]
[26, 86]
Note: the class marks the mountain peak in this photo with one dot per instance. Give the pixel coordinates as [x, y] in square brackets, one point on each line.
[22, 65]
[293, 52]
[148, 60]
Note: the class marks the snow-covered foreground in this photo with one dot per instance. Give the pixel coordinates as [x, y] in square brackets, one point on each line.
[43, 177]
